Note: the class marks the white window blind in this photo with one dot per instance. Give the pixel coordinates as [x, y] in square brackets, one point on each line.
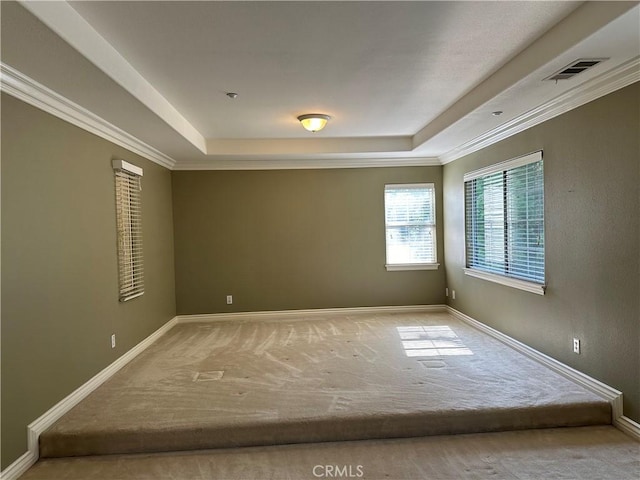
[504, 219]
[128, 180]
[410, 223]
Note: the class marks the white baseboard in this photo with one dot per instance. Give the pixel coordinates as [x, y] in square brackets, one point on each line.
[38, 426]
[606, 392]
[304, 314]
[628, 426]
[22, 464]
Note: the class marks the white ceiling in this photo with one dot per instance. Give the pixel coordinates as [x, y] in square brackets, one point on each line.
[404, 82]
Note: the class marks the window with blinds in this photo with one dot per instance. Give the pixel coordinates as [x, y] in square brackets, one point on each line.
[504, 221]
[410, 223]
[128, 180]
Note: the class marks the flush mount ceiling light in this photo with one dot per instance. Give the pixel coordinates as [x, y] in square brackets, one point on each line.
[314, 122]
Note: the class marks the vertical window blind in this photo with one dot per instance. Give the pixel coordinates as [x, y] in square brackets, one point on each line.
[128, 180]
[504, 219]
[410, 223]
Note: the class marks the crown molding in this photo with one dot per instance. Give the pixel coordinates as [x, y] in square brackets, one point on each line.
[30, 91]
[615, 79]
[34, 93]
[304, 164]
[69, 25]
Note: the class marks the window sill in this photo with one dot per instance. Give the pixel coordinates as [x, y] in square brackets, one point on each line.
[509, 282]
[411, 266]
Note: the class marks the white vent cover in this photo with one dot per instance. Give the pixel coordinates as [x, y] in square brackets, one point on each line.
[575, 68]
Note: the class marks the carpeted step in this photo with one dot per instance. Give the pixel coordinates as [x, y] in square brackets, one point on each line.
[319, 429]
[588, 453]
[231, 384]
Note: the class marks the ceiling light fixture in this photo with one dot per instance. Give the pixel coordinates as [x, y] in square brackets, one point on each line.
[314, 122]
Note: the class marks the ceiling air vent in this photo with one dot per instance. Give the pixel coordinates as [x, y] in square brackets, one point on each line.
[575, 68]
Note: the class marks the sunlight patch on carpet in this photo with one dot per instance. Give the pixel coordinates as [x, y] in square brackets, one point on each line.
[431, 341]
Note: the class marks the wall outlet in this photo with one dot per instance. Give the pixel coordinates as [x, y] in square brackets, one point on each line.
[453, 294]
[113, 341]
[229, 299]
[576, 346]
[446, 292]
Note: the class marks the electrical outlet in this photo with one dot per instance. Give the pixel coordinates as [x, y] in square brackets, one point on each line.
[576, 346]
[113, 341]
[446, 292]
[453, 294]
[229, 299]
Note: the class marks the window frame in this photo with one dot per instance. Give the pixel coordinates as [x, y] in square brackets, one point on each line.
[129, 229]
[394, 267]
[474, 271]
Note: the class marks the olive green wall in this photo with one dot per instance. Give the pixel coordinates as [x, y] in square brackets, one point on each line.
[298, 239]
[592, 212]
[292, 239]
[59, 264]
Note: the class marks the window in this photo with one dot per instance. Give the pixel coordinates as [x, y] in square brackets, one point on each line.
[410, 223]
[128, 179]
[504, 225]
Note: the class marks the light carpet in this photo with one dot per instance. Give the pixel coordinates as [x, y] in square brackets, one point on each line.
[343, 377]
[585, 453]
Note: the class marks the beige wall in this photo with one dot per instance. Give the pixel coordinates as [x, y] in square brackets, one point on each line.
[293, 239]
[592, 212]
[59, 264]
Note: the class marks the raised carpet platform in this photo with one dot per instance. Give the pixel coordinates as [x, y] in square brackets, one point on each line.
[348, 377]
